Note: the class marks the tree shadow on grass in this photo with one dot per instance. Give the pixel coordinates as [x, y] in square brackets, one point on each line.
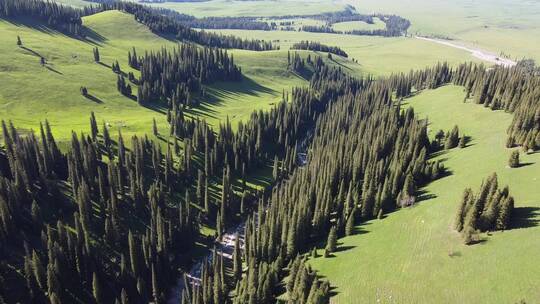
[53, 70]
[93, 98]
[478, 241]
[92, 37]
[161, 109]
[87, 35]
[525, 164]
[525, 217]
[423, 195]
[104, 64]
[31, 51]
[437, 154]
[247, 87]
[342, 248]
[203, 109]
[359, 229]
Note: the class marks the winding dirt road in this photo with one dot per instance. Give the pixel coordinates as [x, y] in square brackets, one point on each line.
[478, 53]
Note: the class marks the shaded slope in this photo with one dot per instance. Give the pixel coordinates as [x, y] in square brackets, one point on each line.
[405, 258]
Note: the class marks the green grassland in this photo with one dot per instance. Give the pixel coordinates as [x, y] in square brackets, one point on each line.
[297, 23]
[405, 258]
[32, 93]
[74, 3]
[218, 8]
[378, 24]
[376, 55]
[501, 26]
[507, 26]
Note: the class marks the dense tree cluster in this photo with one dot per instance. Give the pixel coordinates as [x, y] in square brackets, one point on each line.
[295, 62]
[367, 158]
[161, 21]
[165, 22]
[240, 23]
[101, 217]
[57, 16]
[174, 77]
[394, 25]
[490, 209]
[515, 90]
[106, 218]
[316, 46]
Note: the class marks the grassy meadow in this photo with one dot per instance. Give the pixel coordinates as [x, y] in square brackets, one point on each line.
[414, 256]
[32, 93]
[377, 56]
[501, 26]
[378, 24]
[264, 8]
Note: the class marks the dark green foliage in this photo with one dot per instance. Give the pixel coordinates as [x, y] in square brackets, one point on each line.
[96, 54]
[513, 90]
[57, 16]
[390, 157]
[394, 25]
[173, 78]
[331, 242]
[303, 286]
[452, 139]
[316, 46]
[513, 161]
[93, 215]
[123, 87]
[488, 210]
[295, 62]
[19, 41]
[462, 142]
[171, 23]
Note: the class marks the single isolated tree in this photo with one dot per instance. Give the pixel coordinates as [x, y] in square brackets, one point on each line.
[96, 54]
[19, 41]
[513, 162]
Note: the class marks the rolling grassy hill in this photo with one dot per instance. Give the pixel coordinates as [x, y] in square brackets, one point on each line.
[499, 26]
[375, 55]
[32, 93]
[414, 255]
[359, 25]
[253, 8]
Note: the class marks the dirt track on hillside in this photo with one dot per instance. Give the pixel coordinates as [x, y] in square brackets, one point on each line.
[478, 53]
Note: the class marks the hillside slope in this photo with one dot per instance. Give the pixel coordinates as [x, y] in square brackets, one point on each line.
[405, 258]
[53, 92]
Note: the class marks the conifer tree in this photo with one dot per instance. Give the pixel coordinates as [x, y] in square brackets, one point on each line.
[96, 289]
[237, 259]
[19, 41]
[96, 54]
[349, 228]
[462, 142]
[154, 127]
[331, 242]
[513, 162]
